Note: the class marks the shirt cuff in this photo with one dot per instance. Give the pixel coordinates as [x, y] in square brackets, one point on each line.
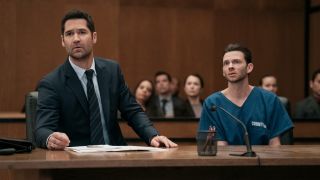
[48, 140]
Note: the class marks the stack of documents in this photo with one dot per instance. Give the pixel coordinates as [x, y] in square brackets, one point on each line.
[108, 148]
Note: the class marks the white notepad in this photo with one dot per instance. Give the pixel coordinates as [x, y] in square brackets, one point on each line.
[109, 148]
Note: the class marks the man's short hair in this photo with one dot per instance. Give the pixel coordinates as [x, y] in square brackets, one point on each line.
[238, 47]
[265, 76]
[314, 74]
[159, 73]
[77, 14]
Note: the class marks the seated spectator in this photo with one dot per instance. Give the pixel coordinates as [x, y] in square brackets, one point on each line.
[143, 92]
[193, 85]
[164, 104]
[309, 108]
[269, 82]
[175, 87]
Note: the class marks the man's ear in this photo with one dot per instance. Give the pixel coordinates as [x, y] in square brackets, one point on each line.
[249, 68]
[94, 37]
[311, 84]
[62, 41]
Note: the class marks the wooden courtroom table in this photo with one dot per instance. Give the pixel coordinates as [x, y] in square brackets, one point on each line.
[284, 162]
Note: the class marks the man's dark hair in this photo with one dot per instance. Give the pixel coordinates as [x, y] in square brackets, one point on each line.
[314, 74]
[237, 47]
[265, 76]
[195, 75]
[78, 14]
[163, 73]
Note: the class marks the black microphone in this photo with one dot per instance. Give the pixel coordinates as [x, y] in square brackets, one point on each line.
[249, 152]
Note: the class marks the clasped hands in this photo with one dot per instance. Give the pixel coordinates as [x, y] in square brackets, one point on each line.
[58, 141]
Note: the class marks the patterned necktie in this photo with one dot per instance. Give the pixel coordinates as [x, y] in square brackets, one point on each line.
[164, 102]
[96, 134]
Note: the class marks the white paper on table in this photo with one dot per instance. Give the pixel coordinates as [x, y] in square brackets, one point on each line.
[109, 148]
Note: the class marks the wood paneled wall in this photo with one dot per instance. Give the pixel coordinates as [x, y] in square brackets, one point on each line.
[178, 36]
[314, 41]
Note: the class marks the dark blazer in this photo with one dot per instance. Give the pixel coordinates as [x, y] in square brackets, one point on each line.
[308, 108]
[63, 106]
[153, 108]
[189, 107]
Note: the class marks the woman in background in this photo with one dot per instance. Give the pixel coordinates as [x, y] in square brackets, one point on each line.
[193, 85]
[143, 92]
[269, 83]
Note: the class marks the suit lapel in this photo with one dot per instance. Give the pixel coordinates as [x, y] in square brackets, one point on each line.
[73, 82]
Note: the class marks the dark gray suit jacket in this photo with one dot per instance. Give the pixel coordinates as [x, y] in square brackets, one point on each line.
[63, 106]
[180, 109]
[308, 109]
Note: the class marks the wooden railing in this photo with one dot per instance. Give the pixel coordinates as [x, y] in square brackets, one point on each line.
[175, 128]
[12, 124]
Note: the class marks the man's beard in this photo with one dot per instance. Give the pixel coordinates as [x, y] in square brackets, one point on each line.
[79, 56]
[239, 79]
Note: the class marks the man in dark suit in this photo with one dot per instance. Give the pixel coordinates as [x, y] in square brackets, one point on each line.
[309, 108]
[164, 104]
[78, 101]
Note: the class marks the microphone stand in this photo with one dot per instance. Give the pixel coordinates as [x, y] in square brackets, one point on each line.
[249, 152]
